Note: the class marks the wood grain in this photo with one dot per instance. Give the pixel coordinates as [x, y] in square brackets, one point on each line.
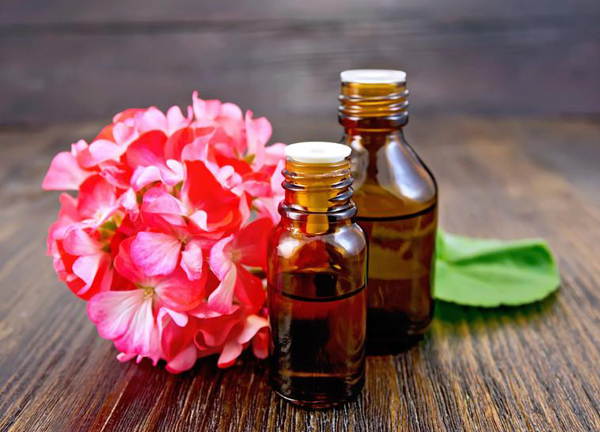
[65, 61]
[532, 368]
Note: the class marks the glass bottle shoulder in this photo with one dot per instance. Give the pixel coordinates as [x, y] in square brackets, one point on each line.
[296, 247]
[339, 254]
[390, 179]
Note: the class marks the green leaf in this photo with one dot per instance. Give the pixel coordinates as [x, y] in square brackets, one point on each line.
[490, 273]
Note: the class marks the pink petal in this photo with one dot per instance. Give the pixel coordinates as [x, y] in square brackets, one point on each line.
[230, 353]
[252, 325]
[86, 268]
[155, 253]
[158, 200]
[197, 150]
[80, 150]
[268, 208]
[175, 339]
[147, 150]
[258, 133]
[129, 202]
[205, 351]
[274, 154]
[244, 209]
[201, 191]
[112, 311]
[251, 242]
[143, 176]
[179, 139]
[260, 344]
[249, 289]
[219, 260]
[231, 111]
[231, 120]
[97, 199]
[177, 169]
[127, 114]
[107, 274]
[64, 173]
[84, 275]
[214, 332]
[169, 172]
[123, 358]
[178, 293]
[67, 217]
[173, 173]
[78, 242]
[204, 311]
[104, 150]
[163, 321]
[141, 336]
[192, 260]
[152, 119]
[229, 178]
[126, 266]
[205, 109]
[183, 361]
[124, 132]
[68, 207]
[277, 178]
[200, 219]
[176, 120]
[116, 173]
[179, 318]
[256, 188]
[221, 299]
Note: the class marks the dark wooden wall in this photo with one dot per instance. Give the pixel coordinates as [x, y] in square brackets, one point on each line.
[64, 60]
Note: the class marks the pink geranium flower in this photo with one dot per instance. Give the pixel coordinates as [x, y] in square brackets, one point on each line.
[203, 205]
[86, 262]
[229, 260]
[129, 318]
[167, 236]
[97, 201]
[229, 334]
[65, 172]
[81, 256]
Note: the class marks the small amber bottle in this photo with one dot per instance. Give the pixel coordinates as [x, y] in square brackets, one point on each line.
[396, 196]
[316, 281]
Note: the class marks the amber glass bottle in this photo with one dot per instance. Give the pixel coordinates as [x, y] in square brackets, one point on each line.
[396, 196]
[316, 281]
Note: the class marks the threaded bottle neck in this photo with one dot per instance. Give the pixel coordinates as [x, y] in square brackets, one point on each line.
[318, 188]
[373, 99]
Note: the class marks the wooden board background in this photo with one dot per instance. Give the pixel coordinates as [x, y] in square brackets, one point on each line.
[505, 102]
[529, 368]
[63, 60]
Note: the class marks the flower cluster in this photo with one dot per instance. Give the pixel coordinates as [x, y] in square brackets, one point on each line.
[166, 239]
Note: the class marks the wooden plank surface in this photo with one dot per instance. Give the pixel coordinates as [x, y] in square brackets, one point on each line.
[65, 60]
[532, 368]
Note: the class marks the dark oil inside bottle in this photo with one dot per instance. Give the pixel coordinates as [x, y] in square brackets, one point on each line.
[317, 354]
[316, 275]
[401, 251]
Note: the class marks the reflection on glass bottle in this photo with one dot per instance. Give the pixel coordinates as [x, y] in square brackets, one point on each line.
[396, 196]
[316, 280]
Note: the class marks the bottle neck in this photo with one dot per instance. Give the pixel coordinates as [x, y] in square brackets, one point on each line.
[317, 195]
[373, 108]
[373, 138]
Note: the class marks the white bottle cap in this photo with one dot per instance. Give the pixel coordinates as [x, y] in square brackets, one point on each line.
[317, 152]
[373, 76]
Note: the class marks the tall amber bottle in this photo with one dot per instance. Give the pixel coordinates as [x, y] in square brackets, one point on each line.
[316, 279]
[396, 196]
